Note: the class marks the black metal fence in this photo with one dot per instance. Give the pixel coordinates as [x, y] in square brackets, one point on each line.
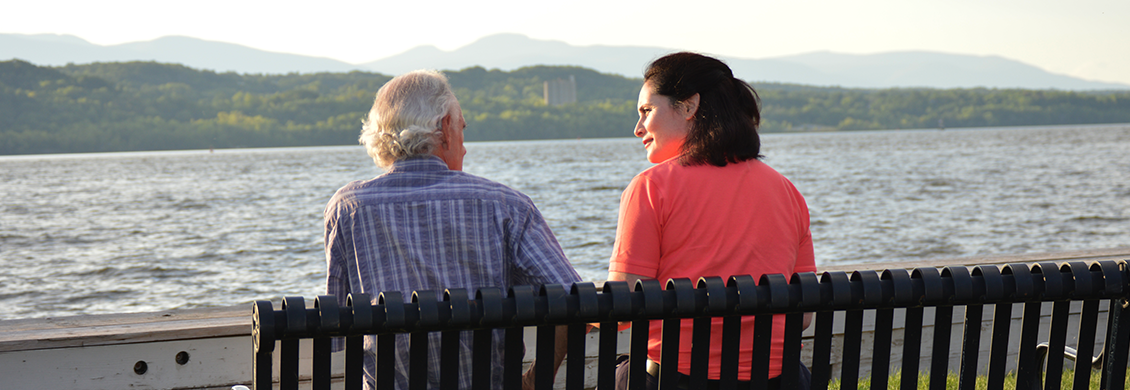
[833, 296]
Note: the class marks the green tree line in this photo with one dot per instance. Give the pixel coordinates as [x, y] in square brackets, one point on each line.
[104, 107]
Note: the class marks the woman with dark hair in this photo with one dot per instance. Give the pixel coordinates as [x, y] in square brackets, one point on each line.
[709, 207]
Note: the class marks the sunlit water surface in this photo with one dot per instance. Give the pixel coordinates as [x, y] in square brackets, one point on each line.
[129, 232]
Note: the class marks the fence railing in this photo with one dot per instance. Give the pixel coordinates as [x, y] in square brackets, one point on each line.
[835, 298]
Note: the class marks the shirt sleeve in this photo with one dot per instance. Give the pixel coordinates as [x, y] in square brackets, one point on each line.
[639, 232]
[337, 279]
[806, 257]
[538, 258]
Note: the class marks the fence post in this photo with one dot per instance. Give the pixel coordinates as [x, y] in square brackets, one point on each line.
[1118, 339]
[652, 294]
[522, 297]
[588, 308]
[930, 293]
[742, 297]
[489, 300]
[361, 307]
[295, 309]
[426, 314]
[1088, 322]
[460, 315]
[556, 309]
[620, 298]
[393, 304]
[805, 293]
[329, 320]
[263, 343]
[835, 290]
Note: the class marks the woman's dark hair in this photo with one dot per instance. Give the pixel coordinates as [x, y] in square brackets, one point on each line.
[725, 125]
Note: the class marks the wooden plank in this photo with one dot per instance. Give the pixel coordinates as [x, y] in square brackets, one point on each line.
[215, 362]
[80, 321]
[64, 332]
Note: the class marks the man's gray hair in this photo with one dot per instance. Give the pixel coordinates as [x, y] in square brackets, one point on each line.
[406, 117]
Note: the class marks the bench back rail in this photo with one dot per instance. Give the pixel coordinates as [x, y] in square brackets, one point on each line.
[834, 297]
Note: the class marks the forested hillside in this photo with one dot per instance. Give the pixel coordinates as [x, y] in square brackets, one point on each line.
[793, 108]
[152, 106]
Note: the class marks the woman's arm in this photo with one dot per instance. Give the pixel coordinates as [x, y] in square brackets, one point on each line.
[627, 277]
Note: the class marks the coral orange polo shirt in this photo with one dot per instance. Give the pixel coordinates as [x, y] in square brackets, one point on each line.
[692, 221]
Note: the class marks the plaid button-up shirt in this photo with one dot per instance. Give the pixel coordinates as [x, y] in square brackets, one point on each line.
[421, 226]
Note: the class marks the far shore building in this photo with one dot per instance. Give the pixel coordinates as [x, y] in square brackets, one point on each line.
[560, 91]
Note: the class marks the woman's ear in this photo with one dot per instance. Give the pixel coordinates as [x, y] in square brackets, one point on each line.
[690, 107]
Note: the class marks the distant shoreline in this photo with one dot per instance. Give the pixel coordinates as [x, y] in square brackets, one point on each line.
[268, 148]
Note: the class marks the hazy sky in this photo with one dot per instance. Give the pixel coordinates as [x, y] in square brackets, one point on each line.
[1089, 39]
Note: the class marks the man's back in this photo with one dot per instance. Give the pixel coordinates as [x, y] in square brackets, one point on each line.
[422, 226]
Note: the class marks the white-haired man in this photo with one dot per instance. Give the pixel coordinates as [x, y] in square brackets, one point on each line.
[426, 225]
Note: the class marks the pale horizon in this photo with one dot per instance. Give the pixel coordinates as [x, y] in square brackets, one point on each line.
[1083, 39]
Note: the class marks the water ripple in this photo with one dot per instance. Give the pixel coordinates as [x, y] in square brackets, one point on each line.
[127, 232]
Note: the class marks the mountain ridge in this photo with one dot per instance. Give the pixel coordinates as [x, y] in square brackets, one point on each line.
[58, 50]
[508, 51]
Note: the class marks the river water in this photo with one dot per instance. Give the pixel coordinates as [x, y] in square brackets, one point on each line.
[144, 231]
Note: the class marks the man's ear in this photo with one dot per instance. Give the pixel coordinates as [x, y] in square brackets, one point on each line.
[690, 106]
[445, 129]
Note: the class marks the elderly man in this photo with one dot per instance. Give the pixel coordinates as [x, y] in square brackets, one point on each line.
[426, 225]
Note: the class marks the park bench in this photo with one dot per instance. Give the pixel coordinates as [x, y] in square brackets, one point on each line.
[1037, 314]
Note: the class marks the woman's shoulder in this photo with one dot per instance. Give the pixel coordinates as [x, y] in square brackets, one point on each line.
[673, 168]
[662, 169]
[659, 174]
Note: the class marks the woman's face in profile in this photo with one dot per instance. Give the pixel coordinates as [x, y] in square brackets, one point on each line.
[662, 126]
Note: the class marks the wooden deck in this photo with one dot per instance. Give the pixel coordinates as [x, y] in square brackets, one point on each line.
[102, 351]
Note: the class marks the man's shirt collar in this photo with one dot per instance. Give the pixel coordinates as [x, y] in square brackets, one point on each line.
[418, 164]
